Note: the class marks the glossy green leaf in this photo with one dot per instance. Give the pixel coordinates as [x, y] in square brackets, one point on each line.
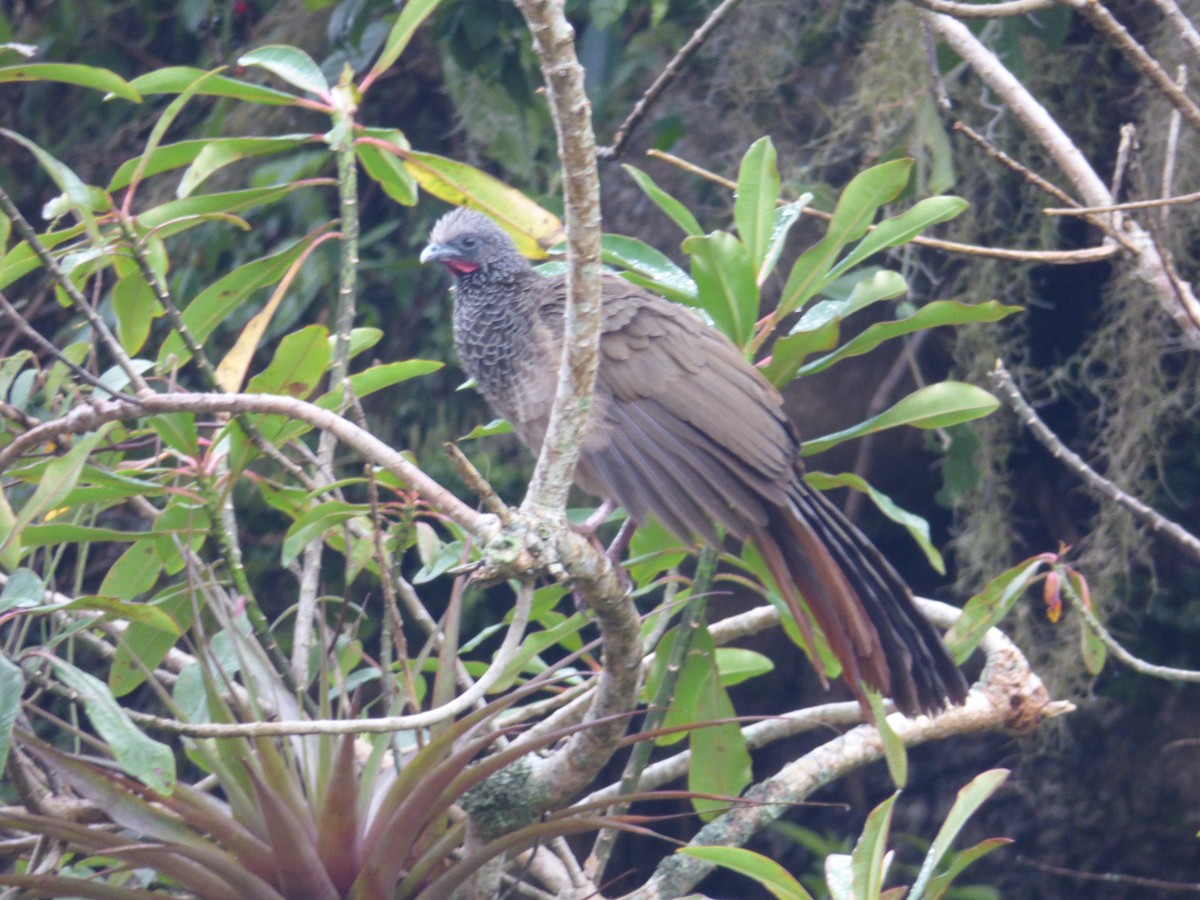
[970, 797]
[989, 606]
[769, 874]
[725, 282]
[174, 79]
[216, 302]
[220, 152]
[145, 759]
[939, 886]
[820, 327]
[901, 229]
[754, 202]
[785, 217]
[10, 541]
[136, 306]
[931, 315]
[70, 73]
[678, 213]
[1092, 648]
[933, 406]
[852, 216]
[914, 524]
[531, 227]
[291, 64]
[12, 687]
[387, 168]
[21, 260]
[656, 270]
[379, 377]
[411, 16]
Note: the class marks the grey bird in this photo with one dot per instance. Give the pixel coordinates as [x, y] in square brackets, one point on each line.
[683, 428]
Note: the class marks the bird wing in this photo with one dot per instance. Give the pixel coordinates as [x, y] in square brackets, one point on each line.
[682, 426]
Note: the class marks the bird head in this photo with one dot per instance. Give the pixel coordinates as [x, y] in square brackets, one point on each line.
[466, 242]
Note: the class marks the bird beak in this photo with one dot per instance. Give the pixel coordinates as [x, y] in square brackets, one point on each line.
[434, 253]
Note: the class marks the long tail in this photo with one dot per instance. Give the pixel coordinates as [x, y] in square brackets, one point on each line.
[864, 608]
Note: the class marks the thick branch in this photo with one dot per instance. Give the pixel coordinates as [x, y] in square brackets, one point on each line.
[554, 42]
[1009, 696]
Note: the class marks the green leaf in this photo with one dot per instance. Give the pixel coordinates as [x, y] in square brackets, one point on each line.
[988, 607]
[379, 377]
[178, 431]
[939, 886]
[220, 152]
[725, 282]
[785, 217]
[134, 573]
[10, 541]
[869, 861]
[931, 315]
[853, 214]
[893, 748]
[720, 762]
[291, 64]
[76, 193]
[678, 213]
[969, 799]
[70, 533]
[933, 406]
[12, 686]
[387, 168]
[144, 614]
[736, 664]
[135, 306]
[216, 302]
[754, 202]
[24, 588]
[70, 73]
[316, 522]
[656, 270]
[298, 365]
[769, 874]
[142, 647]
[182, 525]
[820, 327]
[531, 226]
[915, 525]
[145, 759]
[21, 260]
[58, 479]
[901, 229]
[174, 79]
[494, 427]
[414, 13]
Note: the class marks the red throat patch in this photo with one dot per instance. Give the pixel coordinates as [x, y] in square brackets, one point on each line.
[460, 268]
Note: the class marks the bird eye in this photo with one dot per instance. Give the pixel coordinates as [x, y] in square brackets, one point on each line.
[470, 242]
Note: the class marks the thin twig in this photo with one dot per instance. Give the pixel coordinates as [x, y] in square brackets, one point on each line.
[100, 329]
[668, 74]
[1117, 35]
[1156, 522]
[1157, 884]
[1041, 257]
[477, 483]
[1118, 207]
[1167, 673]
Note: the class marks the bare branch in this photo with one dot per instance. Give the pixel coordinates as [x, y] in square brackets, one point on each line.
[668, 74]
[985, 10]
[1156, 522]
[554, 43]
